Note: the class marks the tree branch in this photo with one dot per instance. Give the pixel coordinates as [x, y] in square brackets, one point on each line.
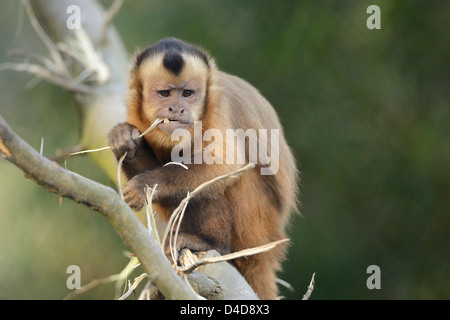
[216, 281]
[105, 200]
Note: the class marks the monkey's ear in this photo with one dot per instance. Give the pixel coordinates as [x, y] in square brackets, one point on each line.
[134, 60]
[134, 81]
[134, 94]
[211, 61]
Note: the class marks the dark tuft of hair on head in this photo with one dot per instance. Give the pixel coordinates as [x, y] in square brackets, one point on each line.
[173, 48]
[173, 62]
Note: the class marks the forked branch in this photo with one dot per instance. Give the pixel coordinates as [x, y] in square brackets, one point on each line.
[105, 200]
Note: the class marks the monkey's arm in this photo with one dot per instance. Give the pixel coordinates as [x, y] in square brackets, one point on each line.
[206, 225]
[174, 182]
[124, 137]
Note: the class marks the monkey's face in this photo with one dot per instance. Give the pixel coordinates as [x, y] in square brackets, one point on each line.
[178, 99]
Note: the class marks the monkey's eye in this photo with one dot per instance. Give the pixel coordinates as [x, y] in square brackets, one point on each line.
[164, 93]
[187, 93]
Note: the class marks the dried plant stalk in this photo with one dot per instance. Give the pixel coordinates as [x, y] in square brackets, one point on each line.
[231, 256]
[118, 278]
[119, 168]
[154, 124]
[132, 287]
[151, 222]
[179, 211]
[310, 288]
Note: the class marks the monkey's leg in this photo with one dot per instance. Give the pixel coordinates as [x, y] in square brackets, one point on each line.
[259, 271]
[189, 241]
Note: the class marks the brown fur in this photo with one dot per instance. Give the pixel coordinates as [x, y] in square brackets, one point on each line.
[233, 214]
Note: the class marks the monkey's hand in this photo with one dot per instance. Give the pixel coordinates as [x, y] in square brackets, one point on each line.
[134, 190]
[124, 137]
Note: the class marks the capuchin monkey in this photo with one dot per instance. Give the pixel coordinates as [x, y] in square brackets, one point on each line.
[180, 83]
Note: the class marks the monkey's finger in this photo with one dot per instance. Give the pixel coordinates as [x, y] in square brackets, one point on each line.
[135, 136]
[126, 142]
[136, 142]
[134, 200]
[120, 139]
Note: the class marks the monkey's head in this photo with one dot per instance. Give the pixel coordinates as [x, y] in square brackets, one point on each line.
[169, 80]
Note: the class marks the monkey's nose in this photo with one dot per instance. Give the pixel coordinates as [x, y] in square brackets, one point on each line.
[176, 110]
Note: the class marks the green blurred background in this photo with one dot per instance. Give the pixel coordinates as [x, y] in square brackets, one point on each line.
[365, 111]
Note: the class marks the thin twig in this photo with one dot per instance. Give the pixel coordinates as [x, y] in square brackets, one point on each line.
[178, 213]
[136, 282]
[310, 288]
[147, 291]
[173, 245]
[62, 154]
[80, 47]
[91, 150]
[119, 170]
[231, 256]
[176, 163]
[112, 11]
[151, 222]
[58, 60]
[44, 73]
[285, 284]
[122, 276]
[17, 53]
[154, 124]
[41, 149]
[222, 177]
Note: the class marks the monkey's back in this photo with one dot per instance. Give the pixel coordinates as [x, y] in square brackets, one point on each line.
[261, 203]
[249, 109]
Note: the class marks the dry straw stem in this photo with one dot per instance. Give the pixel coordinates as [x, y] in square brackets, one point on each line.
[151, 222]
[173, 236]
[231, 256]
[176, 163]
[154, 124]
[109, 16]
[119, 278]
[148, 291]
[177, 215]
[90, 150]
[119, 170]
[285, 284]
[81, 48]
[310, 288]
[133, 287]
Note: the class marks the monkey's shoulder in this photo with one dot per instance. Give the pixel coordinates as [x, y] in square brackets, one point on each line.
[246, 103]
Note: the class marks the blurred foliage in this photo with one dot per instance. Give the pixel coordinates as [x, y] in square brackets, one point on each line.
[365, 111]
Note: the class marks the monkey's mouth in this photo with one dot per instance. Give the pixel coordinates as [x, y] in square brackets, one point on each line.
[167, 120]
[168, 125]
